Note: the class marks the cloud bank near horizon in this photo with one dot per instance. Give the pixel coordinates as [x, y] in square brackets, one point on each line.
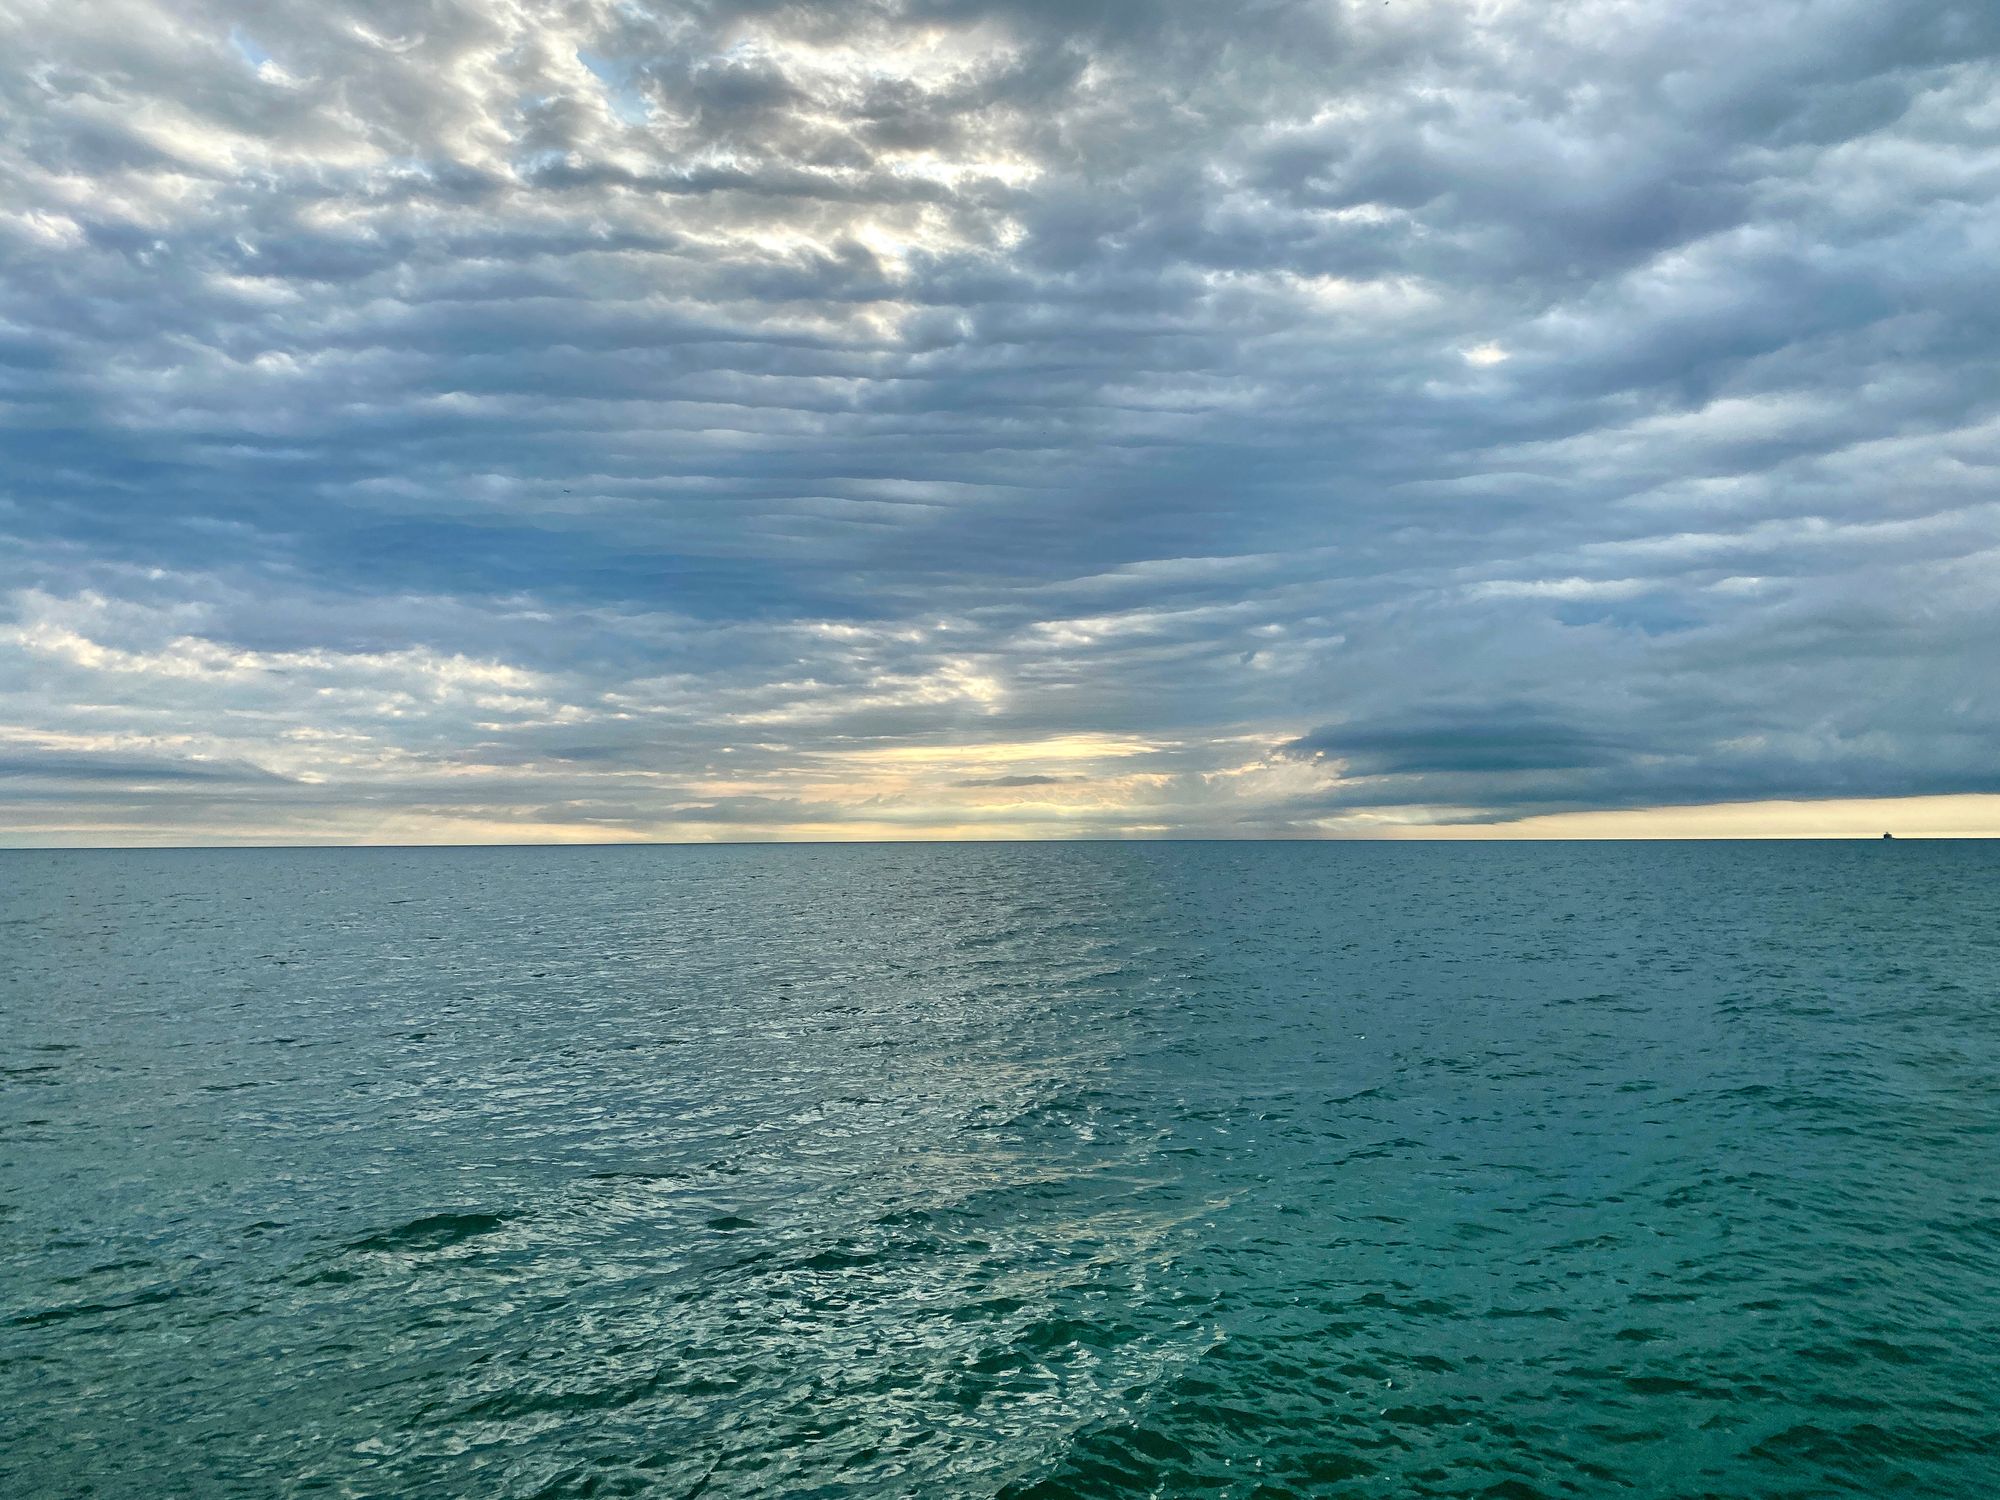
[585, 419]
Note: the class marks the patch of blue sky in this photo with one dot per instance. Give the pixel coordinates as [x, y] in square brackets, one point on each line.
[247, 47]
[625, 99]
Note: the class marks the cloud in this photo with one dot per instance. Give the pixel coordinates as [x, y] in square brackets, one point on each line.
[611, 420]
[1010, 781]
[130, 771]
[1487, 737]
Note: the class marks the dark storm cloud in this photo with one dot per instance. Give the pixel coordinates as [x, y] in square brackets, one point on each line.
[591, 417]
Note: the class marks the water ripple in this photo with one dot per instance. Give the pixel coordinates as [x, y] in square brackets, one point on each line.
[1233, 1170]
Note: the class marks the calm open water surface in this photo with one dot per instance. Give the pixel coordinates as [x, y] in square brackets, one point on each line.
[1378, 1170]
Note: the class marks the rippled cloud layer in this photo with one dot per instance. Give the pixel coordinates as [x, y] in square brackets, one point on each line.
[556, 419]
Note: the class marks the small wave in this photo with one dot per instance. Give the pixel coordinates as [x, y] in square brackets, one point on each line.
[71, 1310]
[432, 1232]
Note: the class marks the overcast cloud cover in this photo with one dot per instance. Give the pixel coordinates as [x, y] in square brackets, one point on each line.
[522, 419]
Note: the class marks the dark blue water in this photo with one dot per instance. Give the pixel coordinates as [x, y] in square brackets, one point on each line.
[1026, 1171]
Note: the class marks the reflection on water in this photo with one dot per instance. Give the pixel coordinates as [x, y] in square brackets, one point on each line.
[1025, 1170]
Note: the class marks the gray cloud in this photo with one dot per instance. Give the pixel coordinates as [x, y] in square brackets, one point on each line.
[128, 770]
[589, 419]
[1015, 780]
[1485, 737]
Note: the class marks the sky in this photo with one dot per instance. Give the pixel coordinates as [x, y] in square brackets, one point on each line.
[557, 420]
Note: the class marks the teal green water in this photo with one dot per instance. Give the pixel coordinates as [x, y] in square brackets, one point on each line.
[1025, 1171]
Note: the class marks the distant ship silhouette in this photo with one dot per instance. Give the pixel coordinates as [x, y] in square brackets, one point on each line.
[1888, 835]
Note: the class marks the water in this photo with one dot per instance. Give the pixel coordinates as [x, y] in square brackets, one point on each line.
[1022, 1171]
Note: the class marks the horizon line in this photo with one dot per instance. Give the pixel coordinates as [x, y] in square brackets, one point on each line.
[784, 843]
